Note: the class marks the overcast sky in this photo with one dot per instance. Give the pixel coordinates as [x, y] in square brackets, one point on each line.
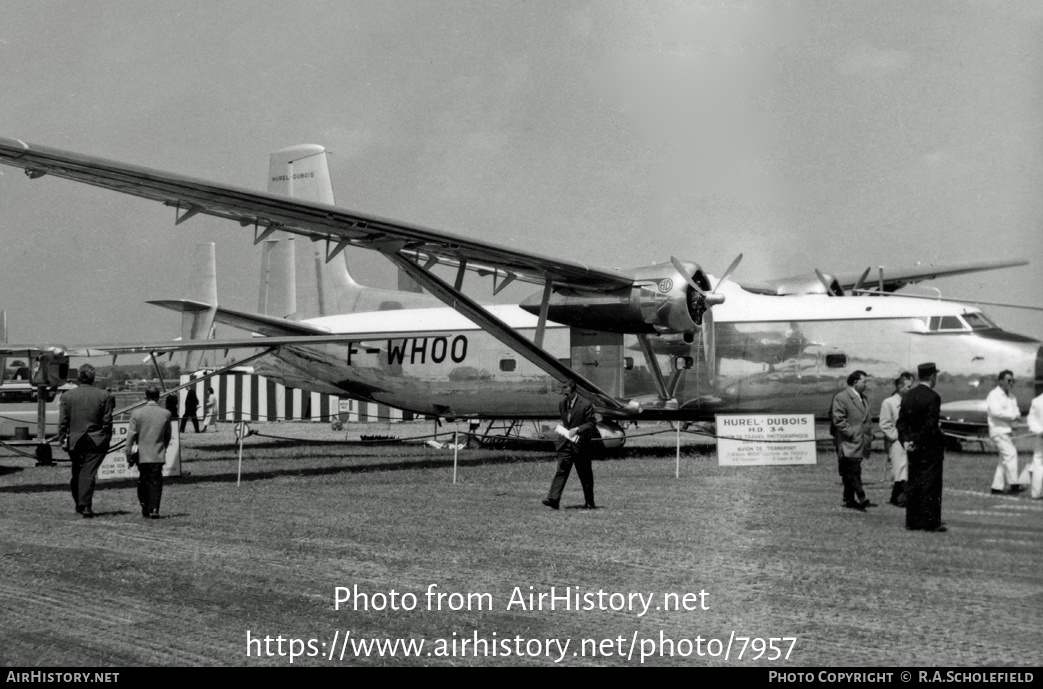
[825, 135]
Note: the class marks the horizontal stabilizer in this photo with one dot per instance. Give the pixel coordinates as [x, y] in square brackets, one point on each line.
[251, 322]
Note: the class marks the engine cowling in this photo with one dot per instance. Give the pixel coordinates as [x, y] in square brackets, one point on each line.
[660, 301]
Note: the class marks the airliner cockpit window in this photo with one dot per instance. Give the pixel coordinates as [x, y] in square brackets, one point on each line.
[946, 323]
[978, 321]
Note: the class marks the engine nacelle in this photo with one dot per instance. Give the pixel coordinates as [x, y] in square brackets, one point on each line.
[660, 301]
[52, 367]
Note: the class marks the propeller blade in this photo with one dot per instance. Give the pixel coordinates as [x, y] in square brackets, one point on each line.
[710, 346]
[684, 271]
[881, 279]
[862, 279]
[825, 282]
[727, 273]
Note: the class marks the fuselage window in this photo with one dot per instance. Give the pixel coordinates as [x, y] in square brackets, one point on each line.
[836, 360]
[508, 364]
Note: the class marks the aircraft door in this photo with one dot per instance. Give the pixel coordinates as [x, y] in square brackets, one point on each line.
[598, 357]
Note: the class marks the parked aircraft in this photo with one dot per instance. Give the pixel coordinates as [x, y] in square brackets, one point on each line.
[708, 345]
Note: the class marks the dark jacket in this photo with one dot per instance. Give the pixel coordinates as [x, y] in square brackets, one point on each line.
[918, 419]
[86, 410]
[580, 417]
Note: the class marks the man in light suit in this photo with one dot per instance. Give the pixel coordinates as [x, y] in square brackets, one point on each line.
[889, 409]
[84, 430]
[919, 431]
[150, 429]
[1036, 426]
[853, 422]
[577, 417]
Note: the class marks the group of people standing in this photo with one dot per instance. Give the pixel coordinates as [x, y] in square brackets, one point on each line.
[192, 409]
[913, 440]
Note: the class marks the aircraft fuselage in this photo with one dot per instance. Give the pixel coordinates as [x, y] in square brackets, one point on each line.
[773, 354]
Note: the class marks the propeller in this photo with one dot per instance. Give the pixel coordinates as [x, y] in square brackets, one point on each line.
[826, 283]
[862, 279]
[705, 306]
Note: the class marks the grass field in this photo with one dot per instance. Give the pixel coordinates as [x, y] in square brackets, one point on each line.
[771, 547]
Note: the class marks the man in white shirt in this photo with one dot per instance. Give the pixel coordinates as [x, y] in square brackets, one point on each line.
[895, 452]
[1003, 414]
[1036, 426]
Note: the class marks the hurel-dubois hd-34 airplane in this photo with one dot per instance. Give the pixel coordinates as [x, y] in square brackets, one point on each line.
[667, 341]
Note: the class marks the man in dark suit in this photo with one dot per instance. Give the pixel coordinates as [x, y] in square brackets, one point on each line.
[853, 424]
[150, 429]
[191, 405]
[577, 419]
[919, 432]
[84, 430]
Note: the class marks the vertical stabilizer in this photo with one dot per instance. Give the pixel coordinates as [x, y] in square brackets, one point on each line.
[198, 324]
[277, 295]
[321, 288]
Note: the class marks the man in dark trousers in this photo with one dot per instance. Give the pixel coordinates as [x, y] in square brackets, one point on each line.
[918, 430]
[577, 421]
[853, 422]
[150, 430]
[84, 430]
[191, 405]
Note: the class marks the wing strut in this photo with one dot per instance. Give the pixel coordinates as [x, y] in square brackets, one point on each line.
[503, 332]
[653, 366]
[541, 325]
[159, 373]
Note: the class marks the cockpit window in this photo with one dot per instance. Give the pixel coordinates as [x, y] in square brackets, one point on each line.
[978, 321]
[946, 323]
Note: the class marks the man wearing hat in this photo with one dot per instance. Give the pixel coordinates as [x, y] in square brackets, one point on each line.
[919, 432]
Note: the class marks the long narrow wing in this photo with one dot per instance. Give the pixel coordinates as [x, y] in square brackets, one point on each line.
[892, 278]
[338, 227]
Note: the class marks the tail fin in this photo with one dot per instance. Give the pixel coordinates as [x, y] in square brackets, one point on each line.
[198, 323]
[321, 288]
[278, 292]
[296, 280]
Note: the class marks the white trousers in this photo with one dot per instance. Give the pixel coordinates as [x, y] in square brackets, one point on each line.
[1007, 468]
[1037, 469]
[899, 462]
